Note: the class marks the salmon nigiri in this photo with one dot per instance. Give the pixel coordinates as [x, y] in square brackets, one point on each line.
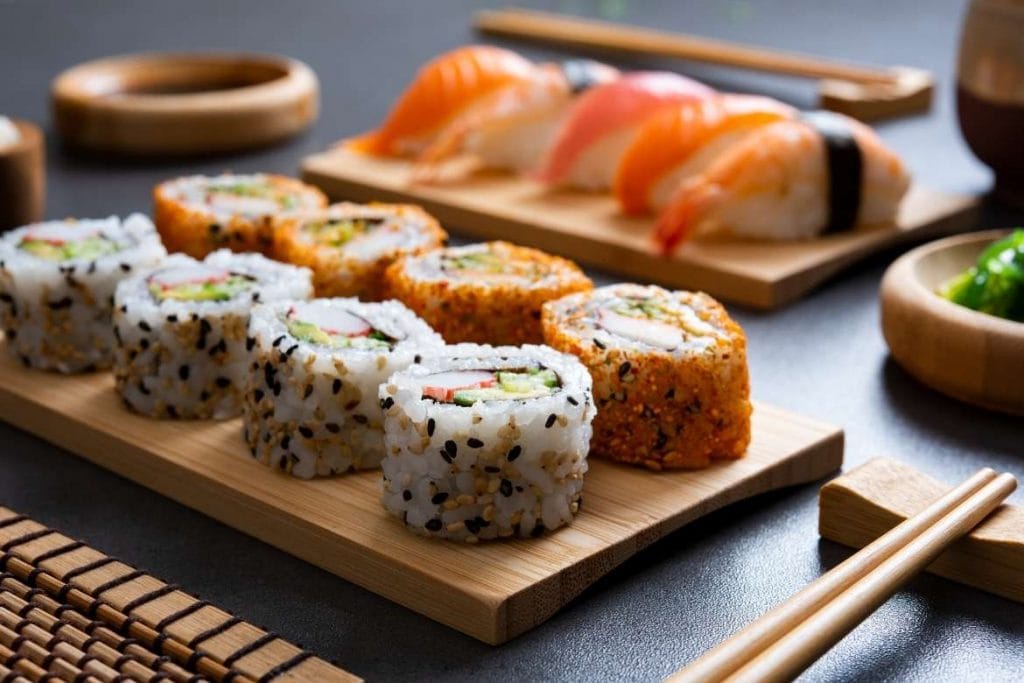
[512, 127]
[444, 88]
[790, 180]
[601, 124]
[681, 141]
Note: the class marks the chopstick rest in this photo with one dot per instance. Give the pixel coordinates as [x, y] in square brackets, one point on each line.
[780, 644]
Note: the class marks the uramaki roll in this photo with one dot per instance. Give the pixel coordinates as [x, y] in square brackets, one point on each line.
[199, 214]
[670, 373]
[486, 442]
[181, 331]
[486, 293]
[349, 246]
[311, 405]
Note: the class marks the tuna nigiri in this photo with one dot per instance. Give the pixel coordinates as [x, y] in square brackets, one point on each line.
[601, 124]
[443, 89]
[512, 127]
[790, 180]
[681, 141]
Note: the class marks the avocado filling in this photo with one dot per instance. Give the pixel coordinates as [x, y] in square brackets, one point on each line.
[652, 322]
[488, 265]
[337, 232]
[198, 284]
[87, 249]
[336, 328]
[250, 197]
[466, 387]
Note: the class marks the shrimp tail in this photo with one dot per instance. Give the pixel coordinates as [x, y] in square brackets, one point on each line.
[689, 206]
[367, 143]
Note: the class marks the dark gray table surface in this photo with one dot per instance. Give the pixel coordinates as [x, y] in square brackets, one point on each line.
[823, 356]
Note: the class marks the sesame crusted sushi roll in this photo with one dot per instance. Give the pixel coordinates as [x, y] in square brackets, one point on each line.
[311, 405]
[487, 293]
[349, 246]
[57, 282]
[670, 373]
[181, 331]
[486, 442]
[199, 214]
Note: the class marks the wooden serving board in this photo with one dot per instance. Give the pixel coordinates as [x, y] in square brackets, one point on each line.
[492, 591]
[589, 228]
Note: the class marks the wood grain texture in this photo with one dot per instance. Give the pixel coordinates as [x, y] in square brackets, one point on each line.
[73, 591]
[864, 503]
[492, 591]
[969, 355]
[590, 229]
[23, 178]
[183, 104]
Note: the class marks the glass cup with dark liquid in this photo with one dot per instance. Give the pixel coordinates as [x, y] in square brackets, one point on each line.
[990, 91]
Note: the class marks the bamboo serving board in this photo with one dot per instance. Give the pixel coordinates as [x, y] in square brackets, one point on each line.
[589, 228]
[492, 591]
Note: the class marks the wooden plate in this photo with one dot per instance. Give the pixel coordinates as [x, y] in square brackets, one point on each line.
[590, 228]
[183, 104]
[968, 355]
[492, 591]
[23, 178]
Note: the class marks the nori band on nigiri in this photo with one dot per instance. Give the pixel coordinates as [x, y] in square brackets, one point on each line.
[845, 162]
[581, 74]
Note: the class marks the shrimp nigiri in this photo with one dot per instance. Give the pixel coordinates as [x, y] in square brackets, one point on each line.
[790, 180]
[511, 128]
[601, 124]
[682, 141]
[443, 89]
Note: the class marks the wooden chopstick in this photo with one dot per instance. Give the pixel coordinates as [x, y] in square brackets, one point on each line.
[784, 641]
[545, 27]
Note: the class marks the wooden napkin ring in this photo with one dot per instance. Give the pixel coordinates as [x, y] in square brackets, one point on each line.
[23, 178]
[183, 104]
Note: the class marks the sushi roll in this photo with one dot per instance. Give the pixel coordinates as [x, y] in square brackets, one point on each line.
[487, 293]
[791, 180]
[603, 122]
[682, 141]
[670, 373]
[513, 127]
[311, 406]
[199, 214]
[349, 246]
[486, 442]
[57, 282]
[445, 88]
[181, 331]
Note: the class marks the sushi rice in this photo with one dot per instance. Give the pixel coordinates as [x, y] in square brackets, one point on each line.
[669, 369]
[199, 214]
[181, 331]
[349, 246]
[57, 282]
[487, 442]
[490, 292]
[311, 406]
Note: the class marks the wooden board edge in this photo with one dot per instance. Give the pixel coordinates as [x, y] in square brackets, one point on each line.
[740, 288]
[798, 283]
[534, 605]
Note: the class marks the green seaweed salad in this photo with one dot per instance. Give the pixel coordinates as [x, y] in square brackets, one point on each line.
[996, 284]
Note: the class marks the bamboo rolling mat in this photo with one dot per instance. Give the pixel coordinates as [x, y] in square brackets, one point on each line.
[70, 613]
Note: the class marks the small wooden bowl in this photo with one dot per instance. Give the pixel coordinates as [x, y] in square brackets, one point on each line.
[971, 356]
[23, 178]
[183, 104]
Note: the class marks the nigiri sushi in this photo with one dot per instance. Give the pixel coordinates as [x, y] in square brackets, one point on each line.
[682, 141]
[790, 180]
[443, 89]
[511, 128]
[602, 123]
